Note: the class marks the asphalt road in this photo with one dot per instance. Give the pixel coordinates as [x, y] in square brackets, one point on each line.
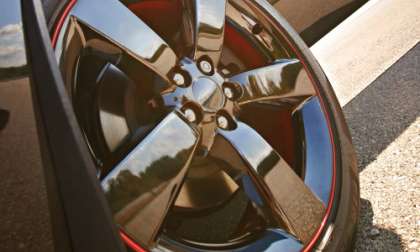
[384, 120]
[373, 62]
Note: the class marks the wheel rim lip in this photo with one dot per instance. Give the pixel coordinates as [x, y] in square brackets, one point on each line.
[267, 9]
[321, 228]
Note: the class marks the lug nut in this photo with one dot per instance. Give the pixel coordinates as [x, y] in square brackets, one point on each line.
[232, 90]
[257, 29]
[228, 92]
[222, 122]
[190, 115]
[179, 79]
[205, 67]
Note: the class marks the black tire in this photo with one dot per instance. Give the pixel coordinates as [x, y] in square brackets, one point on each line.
[339, 231]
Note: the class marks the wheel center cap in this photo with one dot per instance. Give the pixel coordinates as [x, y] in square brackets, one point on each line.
[208, 94]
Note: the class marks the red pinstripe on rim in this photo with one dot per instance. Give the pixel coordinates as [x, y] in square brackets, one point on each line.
[60, 22]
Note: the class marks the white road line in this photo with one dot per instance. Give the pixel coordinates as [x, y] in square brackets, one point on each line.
[361, 48]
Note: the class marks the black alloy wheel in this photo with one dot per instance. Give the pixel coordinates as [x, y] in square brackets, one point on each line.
[211, 125]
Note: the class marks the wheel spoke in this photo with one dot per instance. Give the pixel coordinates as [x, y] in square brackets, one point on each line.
[143, 186]
[283, 79]
[113, 85]
[204, 22]
[292, 202]
[113, 21]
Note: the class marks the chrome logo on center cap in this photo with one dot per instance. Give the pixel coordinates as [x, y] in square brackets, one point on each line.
[208, 94]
